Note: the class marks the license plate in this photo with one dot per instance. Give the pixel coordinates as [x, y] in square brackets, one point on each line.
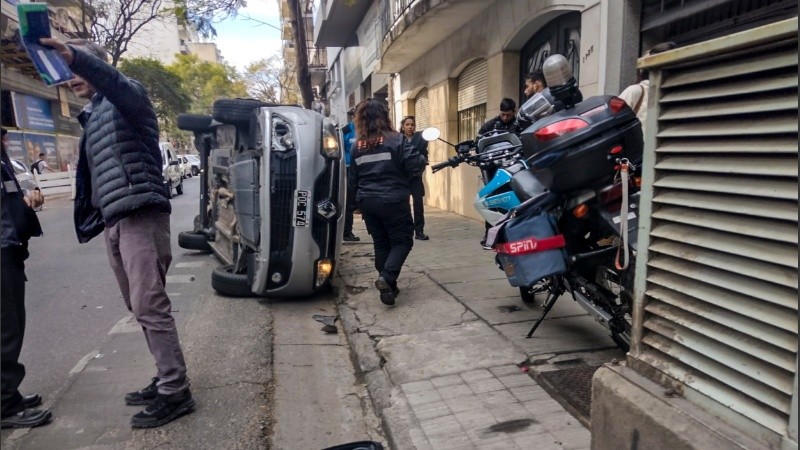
[301, 208]
[631, 216]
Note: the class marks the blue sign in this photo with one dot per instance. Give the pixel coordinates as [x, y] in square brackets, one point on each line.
[16, 147]
[33, 113]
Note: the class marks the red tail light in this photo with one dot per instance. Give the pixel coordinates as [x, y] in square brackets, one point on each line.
[557, 129]
[616, 104]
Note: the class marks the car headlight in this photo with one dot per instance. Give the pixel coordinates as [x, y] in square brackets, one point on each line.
[330, 143]
[324, 271]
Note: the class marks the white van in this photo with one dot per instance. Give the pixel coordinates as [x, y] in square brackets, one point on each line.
[171, 169]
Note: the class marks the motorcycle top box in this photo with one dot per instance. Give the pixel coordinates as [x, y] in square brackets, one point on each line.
[580, 146]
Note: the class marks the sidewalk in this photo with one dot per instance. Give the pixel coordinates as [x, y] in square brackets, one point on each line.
[449, 366]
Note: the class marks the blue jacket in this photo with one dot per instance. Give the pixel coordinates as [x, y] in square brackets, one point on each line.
[349, 138]
[119, 169]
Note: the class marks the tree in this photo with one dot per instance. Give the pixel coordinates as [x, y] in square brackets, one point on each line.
[206, 82]
[297, 19]
[116, 22]
[163, 87]
[266, 80]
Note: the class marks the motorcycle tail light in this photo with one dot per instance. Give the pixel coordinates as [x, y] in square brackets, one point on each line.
[580, 211]
[611, 194]
[615, 150]
[560, 128]
[637, 181]
[616, 104]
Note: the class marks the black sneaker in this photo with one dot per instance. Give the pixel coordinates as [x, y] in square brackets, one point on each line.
[164, 410]
[421, 236]
[387, 293]
[27, 418]
[351, 238]
[144, 396]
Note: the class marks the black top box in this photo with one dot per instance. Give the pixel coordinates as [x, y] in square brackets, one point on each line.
[580, 147]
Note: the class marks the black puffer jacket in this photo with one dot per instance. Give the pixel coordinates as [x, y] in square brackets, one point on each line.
[384, 171]
[120, 171]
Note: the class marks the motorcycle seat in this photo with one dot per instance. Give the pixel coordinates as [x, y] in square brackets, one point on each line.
[525, 184]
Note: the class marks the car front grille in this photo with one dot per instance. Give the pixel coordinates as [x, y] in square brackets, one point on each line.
[283, 185]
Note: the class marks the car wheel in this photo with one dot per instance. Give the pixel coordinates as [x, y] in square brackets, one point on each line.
[195, 122]
[236, 111]
[193, 241]
[195, 171]
[169, 189]
[230, 284]
[179, 188]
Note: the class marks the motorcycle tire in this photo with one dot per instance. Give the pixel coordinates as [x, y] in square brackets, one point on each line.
[230, 284]
[179, 188]
[169, 189]
[193, 241]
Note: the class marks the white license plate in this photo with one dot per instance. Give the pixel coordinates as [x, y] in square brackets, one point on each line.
[631, 216]
[301, 208]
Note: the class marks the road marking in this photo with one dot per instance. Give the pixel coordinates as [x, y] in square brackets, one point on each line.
[180, 278]
[190, 264]
[125, 325]
[82, 363]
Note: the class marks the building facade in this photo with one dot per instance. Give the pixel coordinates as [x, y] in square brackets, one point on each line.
[713, 362]
[316, 56]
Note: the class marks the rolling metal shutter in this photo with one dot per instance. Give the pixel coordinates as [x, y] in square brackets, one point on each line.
[422, 110]
[472, 85]
[720, 307]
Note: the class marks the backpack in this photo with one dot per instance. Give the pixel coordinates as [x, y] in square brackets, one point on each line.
[35, 167]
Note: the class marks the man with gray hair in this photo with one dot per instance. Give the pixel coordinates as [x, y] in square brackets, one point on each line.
[120, 192]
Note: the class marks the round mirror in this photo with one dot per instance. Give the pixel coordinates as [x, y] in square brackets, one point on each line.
[431, 134]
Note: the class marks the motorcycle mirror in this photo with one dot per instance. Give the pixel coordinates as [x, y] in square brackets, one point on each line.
[431, 134]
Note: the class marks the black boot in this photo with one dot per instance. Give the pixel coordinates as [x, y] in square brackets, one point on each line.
[27, 418]
[144, 396]
[164, 409]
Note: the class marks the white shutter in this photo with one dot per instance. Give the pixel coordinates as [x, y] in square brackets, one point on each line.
[721, 290]
[422, 110]
[472, 85]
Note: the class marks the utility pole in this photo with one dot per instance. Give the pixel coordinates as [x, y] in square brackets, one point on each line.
[298, 20]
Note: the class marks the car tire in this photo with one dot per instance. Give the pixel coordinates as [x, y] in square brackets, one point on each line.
[236, 111]
[195, 171]
[198, 123]
[169, 189]
[193, 241]
[230, 284]
[179, 188]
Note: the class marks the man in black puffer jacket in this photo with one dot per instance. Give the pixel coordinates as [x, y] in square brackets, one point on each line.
[119, 191]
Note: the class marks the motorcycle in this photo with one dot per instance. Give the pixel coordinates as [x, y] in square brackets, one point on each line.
[575, 229]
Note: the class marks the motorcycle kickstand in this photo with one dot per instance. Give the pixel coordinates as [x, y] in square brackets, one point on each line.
[551, 300]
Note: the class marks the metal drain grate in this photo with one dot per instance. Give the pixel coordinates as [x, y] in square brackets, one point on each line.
[573, 385]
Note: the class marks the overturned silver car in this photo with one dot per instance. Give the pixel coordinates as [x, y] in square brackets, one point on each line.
[272, 209]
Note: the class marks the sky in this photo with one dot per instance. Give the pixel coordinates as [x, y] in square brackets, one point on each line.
[243, 41]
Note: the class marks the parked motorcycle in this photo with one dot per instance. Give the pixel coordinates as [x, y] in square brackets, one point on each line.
[575, 230]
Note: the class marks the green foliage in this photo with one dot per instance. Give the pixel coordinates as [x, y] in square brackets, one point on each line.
[206, 82]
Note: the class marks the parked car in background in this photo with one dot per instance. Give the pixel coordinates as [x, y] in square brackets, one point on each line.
[170, 166]
[194, 164]
[186, 167]
[275, 198]
[23, 174]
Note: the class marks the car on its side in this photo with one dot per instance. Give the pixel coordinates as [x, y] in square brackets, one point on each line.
[171, 170]
[273, 210]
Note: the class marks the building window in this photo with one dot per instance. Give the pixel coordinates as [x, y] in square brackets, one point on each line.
[470, 121]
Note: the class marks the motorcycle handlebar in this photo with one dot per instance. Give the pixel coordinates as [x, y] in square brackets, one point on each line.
[452, 162]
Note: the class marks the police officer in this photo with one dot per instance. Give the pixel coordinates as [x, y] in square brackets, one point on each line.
[380, 172]
[19, 223]
[505, 121]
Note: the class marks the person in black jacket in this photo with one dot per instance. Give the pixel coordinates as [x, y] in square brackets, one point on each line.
[408, 127]
[120, 192]
[505, 121]
[380, 172]
[19, 223]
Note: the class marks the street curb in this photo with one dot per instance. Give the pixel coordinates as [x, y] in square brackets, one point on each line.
[389, 402]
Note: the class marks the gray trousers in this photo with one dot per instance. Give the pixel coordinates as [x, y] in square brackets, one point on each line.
[139, 252]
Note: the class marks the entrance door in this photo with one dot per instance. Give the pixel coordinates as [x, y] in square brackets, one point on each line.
[561, 35]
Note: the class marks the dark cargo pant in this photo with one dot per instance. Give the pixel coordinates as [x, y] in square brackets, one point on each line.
[392, 230]
[139, 252]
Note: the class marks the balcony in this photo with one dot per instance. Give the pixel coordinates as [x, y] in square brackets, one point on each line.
[409, 36]
[337, 21]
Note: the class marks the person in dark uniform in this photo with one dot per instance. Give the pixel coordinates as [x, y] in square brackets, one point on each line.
[505, 121]
[19, 223]
[408, 127]
[380, 172]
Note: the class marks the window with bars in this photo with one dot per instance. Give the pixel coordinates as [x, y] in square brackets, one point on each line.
[470, 121]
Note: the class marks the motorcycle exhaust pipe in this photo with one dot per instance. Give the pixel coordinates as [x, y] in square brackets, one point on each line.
[595, 311]
[582, 256]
